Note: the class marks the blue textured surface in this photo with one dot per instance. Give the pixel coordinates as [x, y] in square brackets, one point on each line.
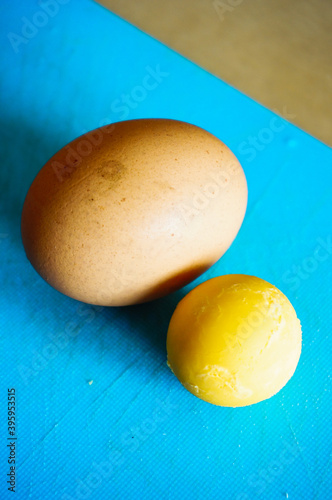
[99, 414]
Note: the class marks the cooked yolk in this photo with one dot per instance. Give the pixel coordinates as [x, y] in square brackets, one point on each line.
[234, 340]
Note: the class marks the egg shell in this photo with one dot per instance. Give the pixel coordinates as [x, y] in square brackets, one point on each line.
[132, 211]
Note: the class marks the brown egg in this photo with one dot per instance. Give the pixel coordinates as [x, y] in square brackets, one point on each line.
[133, 211]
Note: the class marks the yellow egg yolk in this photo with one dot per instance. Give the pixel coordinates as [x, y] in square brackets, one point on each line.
[234, 340]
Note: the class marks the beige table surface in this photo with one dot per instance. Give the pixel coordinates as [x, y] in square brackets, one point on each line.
[279, 52]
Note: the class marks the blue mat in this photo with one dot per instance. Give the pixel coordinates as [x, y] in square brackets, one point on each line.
[98, 413]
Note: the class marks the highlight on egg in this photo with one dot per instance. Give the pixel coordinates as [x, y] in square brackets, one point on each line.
[132, 211]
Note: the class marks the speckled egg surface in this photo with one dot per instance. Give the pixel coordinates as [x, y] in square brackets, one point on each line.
[132, 211]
